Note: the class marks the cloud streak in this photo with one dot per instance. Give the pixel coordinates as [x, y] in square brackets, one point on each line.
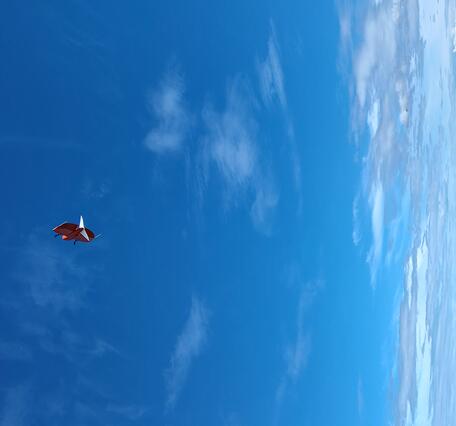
[298, 352]
[188, 347]
[271, 74]
[272, 88]
[376, 201]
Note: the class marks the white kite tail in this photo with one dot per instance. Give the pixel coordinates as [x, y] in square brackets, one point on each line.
[82, 227]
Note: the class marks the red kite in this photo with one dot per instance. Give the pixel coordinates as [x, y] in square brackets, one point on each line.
[71, 231]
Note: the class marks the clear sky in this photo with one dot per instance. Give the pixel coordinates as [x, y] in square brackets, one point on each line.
[263, 176]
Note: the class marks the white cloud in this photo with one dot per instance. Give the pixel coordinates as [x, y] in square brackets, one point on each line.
[376, 201]
[408, 281]
[172, 118]
[271, 74]
[423, 342]
[188, 346]
[376, 54]
[403, 98]
[373, 117]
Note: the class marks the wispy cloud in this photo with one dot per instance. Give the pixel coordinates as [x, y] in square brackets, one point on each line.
[188, 347]
[272, 88]
[101, 348]
[232, 419]
[230, 145]
[264, 206]
[228, 149]
[172, 119]
[14, 351]
[50, 276]
[15, 410]
[96, 191]
[271, 73]
[297, 352]
[356, 233]
[129, 412]
[360, 398]
[51, 281]
[231, 137]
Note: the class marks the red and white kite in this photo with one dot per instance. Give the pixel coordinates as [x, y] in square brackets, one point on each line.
[73, 232]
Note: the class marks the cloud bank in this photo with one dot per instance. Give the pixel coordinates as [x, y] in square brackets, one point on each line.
[401, 74]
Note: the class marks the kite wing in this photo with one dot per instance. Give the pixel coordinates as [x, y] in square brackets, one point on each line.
[65, 228]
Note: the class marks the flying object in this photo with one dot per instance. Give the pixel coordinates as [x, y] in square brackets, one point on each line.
[73, 232]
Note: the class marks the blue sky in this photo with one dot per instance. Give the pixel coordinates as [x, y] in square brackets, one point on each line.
[263, 184]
